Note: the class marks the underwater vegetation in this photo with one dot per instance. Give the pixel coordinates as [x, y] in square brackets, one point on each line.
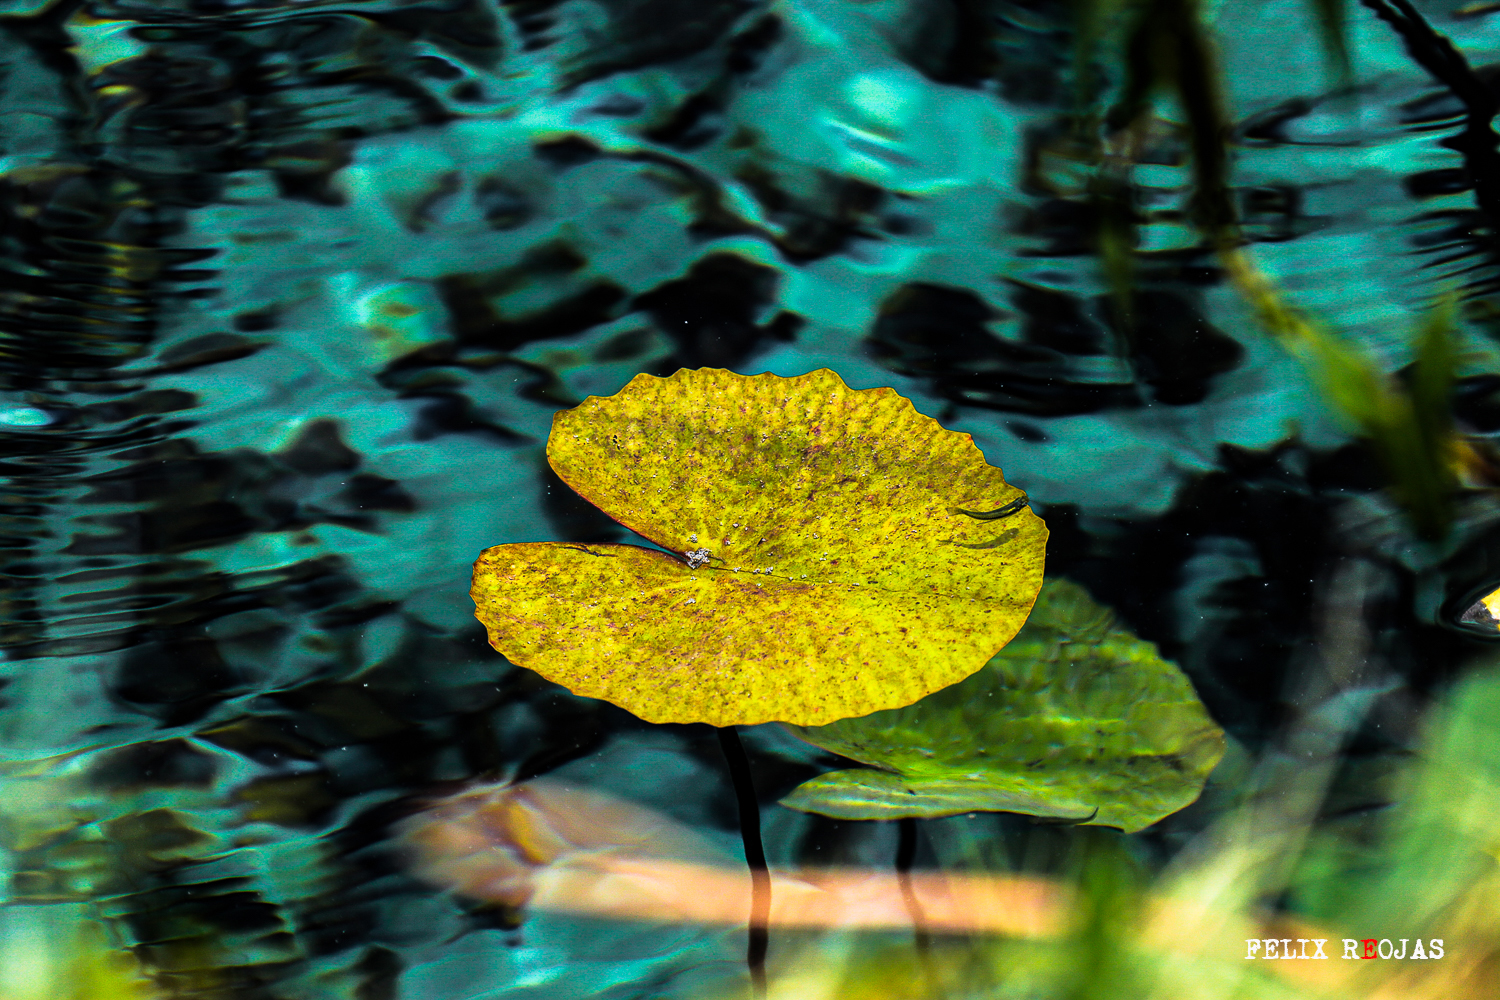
[293, 293]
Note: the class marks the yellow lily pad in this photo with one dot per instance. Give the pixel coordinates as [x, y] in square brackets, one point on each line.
[1076, 720]
[840, 553]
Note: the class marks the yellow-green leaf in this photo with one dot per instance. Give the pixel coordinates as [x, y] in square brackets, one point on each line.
[1076, 719]
[840, 553]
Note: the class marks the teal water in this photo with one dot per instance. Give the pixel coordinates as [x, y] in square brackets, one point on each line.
[291, 292]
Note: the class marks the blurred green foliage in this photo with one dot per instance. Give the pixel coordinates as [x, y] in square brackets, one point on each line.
[1427, 871]
[62, 953]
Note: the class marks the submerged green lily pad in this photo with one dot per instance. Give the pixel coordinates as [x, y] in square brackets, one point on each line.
[1076, 719]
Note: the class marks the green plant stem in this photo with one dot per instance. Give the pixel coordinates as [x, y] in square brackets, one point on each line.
[755, 856]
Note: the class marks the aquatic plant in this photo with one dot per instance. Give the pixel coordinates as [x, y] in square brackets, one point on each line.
[828, 553]
[1409, 428]
[1076, 719]
[1165, 50]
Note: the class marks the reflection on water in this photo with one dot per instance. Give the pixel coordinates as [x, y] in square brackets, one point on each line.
[291, 292]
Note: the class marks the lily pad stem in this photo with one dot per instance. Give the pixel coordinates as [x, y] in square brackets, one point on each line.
[755, 856]
[906, 855]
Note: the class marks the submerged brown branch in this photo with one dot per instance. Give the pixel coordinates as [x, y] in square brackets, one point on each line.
[546, 846]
